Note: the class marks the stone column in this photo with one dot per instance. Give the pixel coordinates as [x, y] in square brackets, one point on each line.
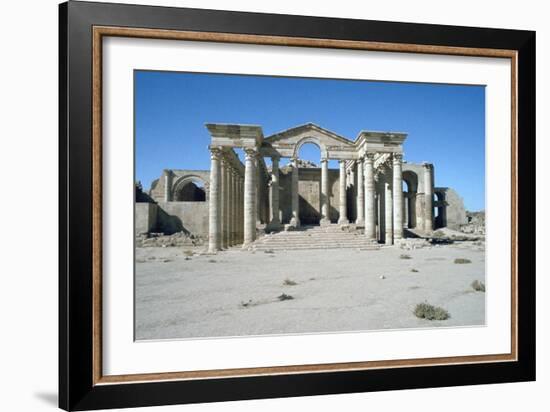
[225, 203]
[343, 219]
[241, 203]
[428, 196]
[353, 194]
[238, 207]
[239, 200]
[370, 192]
[249, 197]
[258, 190]
[397, 196]
[295, 200]
[325, 201]
[274, 221]
[389, 211]
[233, 208]
[167, 185]
[406, 202]
[214, 205]
[360, 221]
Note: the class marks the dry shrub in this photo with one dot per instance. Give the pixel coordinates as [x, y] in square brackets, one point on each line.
[430, 312]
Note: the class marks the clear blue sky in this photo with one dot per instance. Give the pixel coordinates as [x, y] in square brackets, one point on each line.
[445, 123]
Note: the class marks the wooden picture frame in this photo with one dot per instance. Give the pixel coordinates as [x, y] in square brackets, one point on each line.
[82, 385]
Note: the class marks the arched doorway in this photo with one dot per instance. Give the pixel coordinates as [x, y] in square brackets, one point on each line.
[189, 189]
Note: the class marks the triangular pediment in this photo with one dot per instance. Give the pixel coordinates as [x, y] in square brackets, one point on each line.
[309, 130]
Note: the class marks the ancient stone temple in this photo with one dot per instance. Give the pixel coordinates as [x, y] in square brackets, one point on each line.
[374, 190]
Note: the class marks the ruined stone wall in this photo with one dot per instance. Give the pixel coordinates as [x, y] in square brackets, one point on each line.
[189, 217]
[145, 217]
[450, 207]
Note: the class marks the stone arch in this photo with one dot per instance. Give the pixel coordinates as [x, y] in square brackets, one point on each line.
[198, 194]
[310, 139]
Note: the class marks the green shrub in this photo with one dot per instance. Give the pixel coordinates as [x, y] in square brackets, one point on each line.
[478, 286]
[430, 312]
[414, 270]
[404, 257]
[289, 282]
[462, 261]
[284, 296]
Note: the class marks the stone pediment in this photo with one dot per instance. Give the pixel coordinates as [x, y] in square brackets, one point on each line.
[293, 136]
[288, 142]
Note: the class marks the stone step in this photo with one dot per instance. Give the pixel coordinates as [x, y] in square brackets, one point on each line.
[315, 246]
[315, 237]
[325, 242]
[310, 238]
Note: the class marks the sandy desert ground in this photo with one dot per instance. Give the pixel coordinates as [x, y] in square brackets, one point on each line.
[235, 292]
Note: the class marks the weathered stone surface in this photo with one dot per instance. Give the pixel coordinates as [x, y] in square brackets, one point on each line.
[450, 208]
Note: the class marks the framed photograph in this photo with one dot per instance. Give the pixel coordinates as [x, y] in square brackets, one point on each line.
[256, 205]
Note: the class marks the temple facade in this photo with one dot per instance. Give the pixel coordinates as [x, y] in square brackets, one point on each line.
[374, 190]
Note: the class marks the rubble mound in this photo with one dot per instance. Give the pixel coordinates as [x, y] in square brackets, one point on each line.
[476, 223]
[162, 240]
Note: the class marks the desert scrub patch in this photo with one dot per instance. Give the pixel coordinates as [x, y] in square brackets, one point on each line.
[414, 270]
[461, 261]
[188, 253]
[289, 282]
[403, 256]
[284, 296]
[478, 286]
[211, 260]
[430, 312]
[269, 251]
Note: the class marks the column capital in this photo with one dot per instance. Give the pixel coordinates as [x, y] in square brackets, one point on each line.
[324, 160]
[369, 156]
[427, 166]
[215, 153]
[250, 153]
[397, 157]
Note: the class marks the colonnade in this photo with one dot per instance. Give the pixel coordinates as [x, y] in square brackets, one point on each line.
[235, 207]
[226, 208]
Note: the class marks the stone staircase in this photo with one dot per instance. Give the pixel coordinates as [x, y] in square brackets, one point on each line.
[316, 237]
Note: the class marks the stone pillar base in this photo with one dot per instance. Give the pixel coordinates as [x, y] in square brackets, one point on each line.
[274, 227]
[359, 223]
[294, 222]
[343, 221]
[324, 222]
